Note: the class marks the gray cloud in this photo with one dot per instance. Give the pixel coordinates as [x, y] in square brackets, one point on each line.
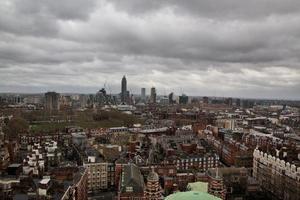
[227, 48]
[222, 10]
[64, 10]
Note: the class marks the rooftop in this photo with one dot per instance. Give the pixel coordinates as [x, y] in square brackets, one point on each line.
[198, 186]
[191, 195]
[45, 181]
[220, 172]
[15, 165]
[132, 177]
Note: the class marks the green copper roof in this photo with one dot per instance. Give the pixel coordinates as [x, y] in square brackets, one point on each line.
[191, 195]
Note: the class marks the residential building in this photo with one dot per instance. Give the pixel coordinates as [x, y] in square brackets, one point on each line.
[97, 170]
[278, 178]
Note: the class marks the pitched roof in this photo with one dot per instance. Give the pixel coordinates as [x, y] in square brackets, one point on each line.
[132, 177]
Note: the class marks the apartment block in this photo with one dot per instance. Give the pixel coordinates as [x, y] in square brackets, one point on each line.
[280, 179]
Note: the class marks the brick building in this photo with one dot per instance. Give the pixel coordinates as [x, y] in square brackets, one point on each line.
[280, 179]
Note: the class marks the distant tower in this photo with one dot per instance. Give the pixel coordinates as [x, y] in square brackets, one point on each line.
[52, 101]
[171, 101]
[143, 94]
[153, 189]
[205, 100]
[183, 99]
[124, 89]
[238, 102]
[102, 97]
[153, 95]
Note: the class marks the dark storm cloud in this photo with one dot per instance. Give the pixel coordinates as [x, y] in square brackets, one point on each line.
[209, 47]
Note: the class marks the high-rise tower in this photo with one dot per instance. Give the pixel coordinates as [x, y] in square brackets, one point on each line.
[143, 94]
[153, 95]
[124, 89]
[52, 101]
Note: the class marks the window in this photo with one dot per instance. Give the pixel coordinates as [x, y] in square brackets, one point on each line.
[235, 179]
[129, 189]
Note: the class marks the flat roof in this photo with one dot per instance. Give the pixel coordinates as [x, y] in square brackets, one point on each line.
[45, 181]
[15, 165]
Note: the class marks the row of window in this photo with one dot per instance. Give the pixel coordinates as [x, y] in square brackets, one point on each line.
[198, 159]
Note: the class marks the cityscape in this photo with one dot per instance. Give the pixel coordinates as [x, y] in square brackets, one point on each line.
[148, 146]
[149, 100]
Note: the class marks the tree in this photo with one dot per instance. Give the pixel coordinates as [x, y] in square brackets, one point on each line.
[31, 116]
[6, 120]
[101, 116]
[128, 121]
[16, 126]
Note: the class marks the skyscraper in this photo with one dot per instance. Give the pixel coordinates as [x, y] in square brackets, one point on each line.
[123, 89]
[52, 101]
[143, 94]
[238, 102]
[153, 95]
[183, 99]
[171, 101]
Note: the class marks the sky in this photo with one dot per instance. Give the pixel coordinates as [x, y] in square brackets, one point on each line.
[209, 47]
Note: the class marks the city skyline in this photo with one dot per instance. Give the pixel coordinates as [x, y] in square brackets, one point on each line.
[150, 99]
[124, 93]
[196, 48]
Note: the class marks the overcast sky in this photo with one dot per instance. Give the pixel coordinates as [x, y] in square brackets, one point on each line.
[208, 47]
